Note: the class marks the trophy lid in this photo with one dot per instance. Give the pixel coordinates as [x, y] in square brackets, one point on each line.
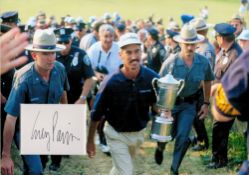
[169, 79]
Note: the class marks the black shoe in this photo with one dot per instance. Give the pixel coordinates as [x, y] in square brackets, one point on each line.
[216, 165]
[172, 172]
[54, 167]
[199, 147]
[158, 156]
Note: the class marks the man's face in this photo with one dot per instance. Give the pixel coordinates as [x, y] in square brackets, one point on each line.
[244, 44]
[44, 60]
[188, 49]
[238, 25]
[67, 44]
[106, 39]
[131, 56]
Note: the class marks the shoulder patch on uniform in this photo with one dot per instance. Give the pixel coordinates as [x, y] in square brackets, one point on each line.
[86, 60]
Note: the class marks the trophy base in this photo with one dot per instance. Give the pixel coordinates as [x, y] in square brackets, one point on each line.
[160, 138]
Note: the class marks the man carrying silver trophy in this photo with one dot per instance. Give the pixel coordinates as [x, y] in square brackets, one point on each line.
[194, 70]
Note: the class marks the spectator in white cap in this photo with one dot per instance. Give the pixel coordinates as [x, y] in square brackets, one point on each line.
[243, 39]
[124, 98]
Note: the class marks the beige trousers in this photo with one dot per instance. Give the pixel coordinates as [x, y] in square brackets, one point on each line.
[123, 147]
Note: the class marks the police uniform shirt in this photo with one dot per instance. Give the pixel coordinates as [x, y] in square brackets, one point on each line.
[125, 103]
[232, 95]
[224, 59]
[206, 49]
[156, 56]
[199, 71]
[29, 87]
[76, 41]
[78, 68]
[111, 59]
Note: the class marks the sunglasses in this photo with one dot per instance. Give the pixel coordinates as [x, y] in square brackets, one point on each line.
[63, 42]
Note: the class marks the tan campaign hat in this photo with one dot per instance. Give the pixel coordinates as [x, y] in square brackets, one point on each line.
[188, 35]
[45, 41]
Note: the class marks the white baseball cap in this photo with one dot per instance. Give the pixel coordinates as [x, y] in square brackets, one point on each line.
[129, 38]
[244, 35]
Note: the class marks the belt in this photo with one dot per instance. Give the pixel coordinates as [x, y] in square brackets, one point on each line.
[190, 99]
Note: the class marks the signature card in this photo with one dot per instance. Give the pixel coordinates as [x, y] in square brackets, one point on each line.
[53, 129]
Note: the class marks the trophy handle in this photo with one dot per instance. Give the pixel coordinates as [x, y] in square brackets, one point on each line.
[182, 83]
[154, 85]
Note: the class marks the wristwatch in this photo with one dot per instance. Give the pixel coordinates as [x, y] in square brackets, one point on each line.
[83, 97]
[206, 103]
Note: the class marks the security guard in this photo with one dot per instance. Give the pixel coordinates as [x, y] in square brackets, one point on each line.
[230, 51]
[194, 69]
[78, 67]
[206, 49]
[43, 81]
[155, 52]
[171, 44]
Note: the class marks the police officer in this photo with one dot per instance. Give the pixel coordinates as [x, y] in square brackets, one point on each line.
[230, 51]
[194, 69]
[155, 52]
[171, 45]
[206, 49]
[231, 98]
[78, 67]
[43, 81]
[9, 20]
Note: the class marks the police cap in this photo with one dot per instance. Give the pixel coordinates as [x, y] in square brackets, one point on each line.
[63, 34]
[171, 33]
[10, 16]
[224, 29]
[154, 33]
[121, 27]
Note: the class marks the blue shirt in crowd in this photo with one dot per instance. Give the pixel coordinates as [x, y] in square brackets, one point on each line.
[199, 71]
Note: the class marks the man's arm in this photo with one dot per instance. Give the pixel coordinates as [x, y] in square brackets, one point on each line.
[64, 98]
[85, 90]
[7, 166]
[204, 108]
[91, 150]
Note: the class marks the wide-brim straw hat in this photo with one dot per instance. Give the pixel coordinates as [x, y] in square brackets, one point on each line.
[45, 41]
[199, 24]
[188, 35]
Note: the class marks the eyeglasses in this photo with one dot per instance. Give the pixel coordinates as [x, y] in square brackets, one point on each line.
[64, 42]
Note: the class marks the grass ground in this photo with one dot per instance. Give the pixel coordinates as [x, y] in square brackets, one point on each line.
[193, 163]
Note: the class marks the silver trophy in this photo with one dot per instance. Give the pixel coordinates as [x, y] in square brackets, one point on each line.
[167, 89]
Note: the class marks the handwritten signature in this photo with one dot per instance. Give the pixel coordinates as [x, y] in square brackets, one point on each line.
[56, 134]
